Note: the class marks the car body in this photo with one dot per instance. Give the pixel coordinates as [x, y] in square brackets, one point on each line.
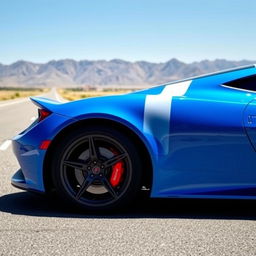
[199, 134]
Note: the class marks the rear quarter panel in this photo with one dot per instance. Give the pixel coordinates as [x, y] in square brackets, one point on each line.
[209, 151]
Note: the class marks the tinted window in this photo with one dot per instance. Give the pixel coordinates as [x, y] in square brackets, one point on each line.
[245, 83]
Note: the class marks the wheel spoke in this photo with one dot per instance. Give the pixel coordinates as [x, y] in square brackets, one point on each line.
[86, 183]
[74, 164]
[109, 188]
[114, 160]
[92, 149]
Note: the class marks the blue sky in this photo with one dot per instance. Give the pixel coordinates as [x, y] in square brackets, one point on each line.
[42, 30]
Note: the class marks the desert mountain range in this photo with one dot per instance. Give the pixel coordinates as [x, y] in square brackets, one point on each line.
[116, 72]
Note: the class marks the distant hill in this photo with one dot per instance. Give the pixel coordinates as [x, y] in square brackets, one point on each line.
[71, 73]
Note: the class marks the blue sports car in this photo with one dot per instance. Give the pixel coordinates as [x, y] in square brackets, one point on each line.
[194, 138]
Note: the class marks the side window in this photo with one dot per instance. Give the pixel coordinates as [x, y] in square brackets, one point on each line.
[245, 83]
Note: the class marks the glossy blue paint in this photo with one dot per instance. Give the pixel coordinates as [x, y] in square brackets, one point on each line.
[206, 150]
[26, 148]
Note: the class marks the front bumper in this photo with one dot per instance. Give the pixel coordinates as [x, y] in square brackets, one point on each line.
[18, 180]
[30, 157]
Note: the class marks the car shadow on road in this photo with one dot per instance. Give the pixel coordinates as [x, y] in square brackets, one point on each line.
[23, 203]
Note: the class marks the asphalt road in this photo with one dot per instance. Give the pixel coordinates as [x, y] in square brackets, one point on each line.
[38, 226]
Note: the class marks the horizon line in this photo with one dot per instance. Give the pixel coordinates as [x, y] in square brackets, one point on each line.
[119, 59]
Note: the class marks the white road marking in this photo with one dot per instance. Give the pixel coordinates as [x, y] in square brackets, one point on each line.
[157, 112]
[5, 145]
[33, 118]
[57, 96]
[13, 102]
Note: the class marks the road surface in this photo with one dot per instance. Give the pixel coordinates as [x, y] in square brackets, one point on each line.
[36, 226]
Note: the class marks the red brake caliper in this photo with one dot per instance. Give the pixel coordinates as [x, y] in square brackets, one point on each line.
[117, 173]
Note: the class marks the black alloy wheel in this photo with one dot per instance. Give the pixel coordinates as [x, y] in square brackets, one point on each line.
[97, 168]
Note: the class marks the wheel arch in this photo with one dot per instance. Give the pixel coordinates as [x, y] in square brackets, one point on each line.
[143, 149]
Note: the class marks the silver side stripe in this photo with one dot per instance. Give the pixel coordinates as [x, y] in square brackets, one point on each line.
[157, 112]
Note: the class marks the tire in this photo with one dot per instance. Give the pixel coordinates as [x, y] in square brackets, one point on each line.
[96, 169]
